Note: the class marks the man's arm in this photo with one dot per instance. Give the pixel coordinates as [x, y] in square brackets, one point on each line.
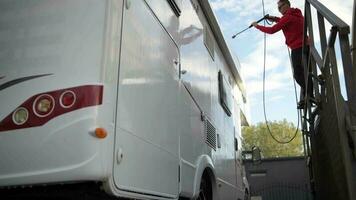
[274, 19]
[273, 29]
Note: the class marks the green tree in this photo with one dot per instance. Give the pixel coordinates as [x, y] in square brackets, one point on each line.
[258, 135]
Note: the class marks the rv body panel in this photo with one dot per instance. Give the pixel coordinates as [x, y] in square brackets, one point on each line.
[48, 46]
[147, 115]
[202, 60]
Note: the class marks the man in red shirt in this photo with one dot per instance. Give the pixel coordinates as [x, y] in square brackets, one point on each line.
[292, 25]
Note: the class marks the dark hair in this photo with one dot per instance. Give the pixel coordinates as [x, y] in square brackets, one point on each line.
[284, 1]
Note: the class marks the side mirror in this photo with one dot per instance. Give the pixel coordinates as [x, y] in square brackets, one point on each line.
[256, 155]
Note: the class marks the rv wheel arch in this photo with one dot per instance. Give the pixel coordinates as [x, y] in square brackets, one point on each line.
[205, 172]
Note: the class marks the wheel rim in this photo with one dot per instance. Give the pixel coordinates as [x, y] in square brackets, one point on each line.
[202, 195]
[246, 196]
[204, 192]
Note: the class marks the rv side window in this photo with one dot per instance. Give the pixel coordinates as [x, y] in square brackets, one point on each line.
[225, 94]
[176, 6]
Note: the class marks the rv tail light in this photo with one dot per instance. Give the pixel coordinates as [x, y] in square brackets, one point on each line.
[43, 105]
[20, 116]
[101, 133]
[67, 99]
[41, 108]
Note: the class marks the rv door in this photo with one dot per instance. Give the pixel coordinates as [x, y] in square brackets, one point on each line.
[147, 134]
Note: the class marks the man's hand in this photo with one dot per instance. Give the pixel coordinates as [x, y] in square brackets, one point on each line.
[271, 18]
[254, 24]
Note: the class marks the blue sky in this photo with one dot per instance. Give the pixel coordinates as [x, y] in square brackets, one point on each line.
[236, 15]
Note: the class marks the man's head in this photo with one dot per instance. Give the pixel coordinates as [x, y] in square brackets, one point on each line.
[283, 6]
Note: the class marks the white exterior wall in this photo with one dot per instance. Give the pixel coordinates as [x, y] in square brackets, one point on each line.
[51, 38]
[201, 80]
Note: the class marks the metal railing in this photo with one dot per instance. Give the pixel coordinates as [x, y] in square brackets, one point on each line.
[329, 121]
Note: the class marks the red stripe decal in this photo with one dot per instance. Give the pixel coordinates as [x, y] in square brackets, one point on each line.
[86, 96]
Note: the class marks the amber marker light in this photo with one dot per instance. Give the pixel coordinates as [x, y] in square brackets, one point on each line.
[101, 133]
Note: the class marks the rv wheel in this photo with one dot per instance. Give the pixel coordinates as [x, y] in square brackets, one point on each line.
[247, 195]
[205, 192]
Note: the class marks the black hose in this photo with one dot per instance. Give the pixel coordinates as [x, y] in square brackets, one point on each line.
[264, 91]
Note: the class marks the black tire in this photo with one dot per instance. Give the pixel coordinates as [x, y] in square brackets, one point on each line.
[247, 196]
[205, 192]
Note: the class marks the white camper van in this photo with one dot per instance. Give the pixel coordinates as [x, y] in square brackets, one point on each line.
[141, 98]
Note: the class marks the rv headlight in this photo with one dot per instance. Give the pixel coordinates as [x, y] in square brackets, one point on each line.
[20, 116]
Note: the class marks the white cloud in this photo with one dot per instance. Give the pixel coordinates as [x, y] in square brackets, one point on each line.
[276, 98]
[274, 81]
[241, 6]
[341, 8]
[278, 69]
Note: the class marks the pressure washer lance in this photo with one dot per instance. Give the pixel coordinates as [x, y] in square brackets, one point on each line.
[263, 18]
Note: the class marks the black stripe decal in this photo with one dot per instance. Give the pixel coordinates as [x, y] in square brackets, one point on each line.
[20, 80]
[1, 77]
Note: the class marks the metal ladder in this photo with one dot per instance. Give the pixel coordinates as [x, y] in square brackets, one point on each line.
[328, 120]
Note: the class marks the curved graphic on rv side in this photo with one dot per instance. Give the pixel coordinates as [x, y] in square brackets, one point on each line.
[19, 80]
